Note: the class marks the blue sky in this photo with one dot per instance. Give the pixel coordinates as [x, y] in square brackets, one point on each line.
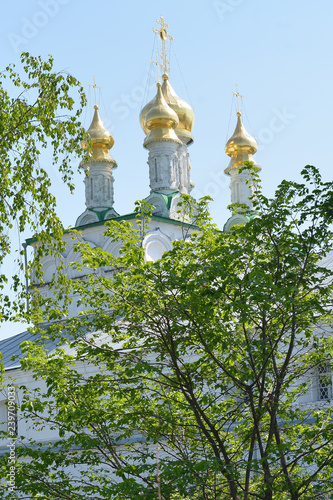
[279, 54]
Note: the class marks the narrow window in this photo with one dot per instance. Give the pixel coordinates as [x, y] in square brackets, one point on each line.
[156, 178]
[238, 200]
[324, 382]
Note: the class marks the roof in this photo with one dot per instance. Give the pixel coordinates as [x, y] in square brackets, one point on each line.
[130, 216]
[10, 348]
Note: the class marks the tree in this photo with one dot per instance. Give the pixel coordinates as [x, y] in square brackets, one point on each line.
[204, 355]
[42, 115]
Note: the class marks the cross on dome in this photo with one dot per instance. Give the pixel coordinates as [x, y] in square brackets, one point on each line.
[164, 36]
[183, 110]
[237, 94]
[94, 87]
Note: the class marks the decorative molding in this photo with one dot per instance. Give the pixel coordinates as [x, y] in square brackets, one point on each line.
[234, 220]
[155, 244]
[88, 217]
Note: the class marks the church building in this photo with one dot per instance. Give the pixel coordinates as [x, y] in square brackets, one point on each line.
[167, 121]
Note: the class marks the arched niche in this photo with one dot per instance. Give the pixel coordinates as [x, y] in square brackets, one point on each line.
[155, 244]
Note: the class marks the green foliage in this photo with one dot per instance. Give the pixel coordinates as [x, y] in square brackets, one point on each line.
[38, 111]
[205, 354]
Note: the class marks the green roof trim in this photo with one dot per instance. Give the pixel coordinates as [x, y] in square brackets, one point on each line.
[130, 216]
[101, 215]
[167, 197]
[253, 216]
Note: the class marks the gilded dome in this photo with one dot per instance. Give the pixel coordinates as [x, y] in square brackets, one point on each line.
[183, 110]
[160, 120]
[241, 141]
[160, 114]
[241, 146]
[101, 139]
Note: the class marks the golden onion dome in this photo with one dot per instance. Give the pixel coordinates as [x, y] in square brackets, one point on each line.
[101, 140]
[241, 146]
[241, 141]
[160, 120]
[160, 114]
[183, 110]
[143, 114]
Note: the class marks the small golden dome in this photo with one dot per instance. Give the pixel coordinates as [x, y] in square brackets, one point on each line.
[160, 120]
[183, 110]
[101, 139]
[143, 114]
[241, 141]
[241, 146]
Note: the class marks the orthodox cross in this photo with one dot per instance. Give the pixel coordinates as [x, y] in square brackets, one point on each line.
[164, 36]
[94, 87]
[237, 94]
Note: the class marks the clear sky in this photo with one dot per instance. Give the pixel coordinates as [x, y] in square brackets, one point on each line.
[278, 52]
